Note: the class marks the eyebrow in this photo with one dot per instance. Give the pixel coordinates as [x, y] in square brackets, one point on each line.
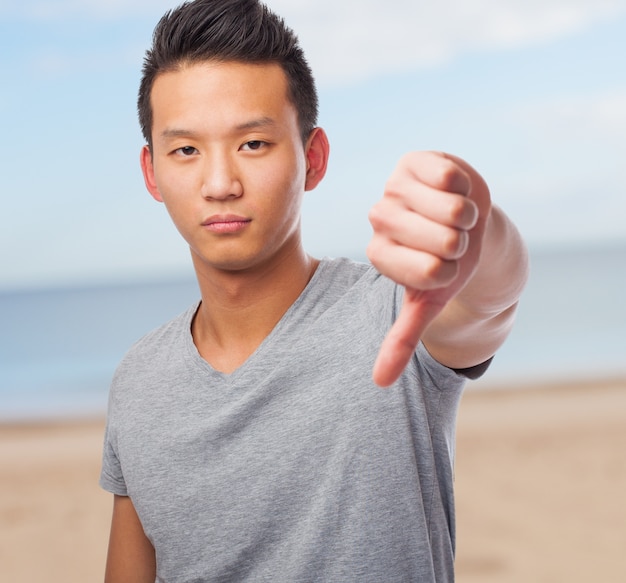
[263, 122]
[256, 123]
[176, 133]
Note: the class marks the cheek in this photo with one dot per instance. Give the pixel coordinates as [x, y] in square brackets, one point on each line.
[180, 207]
[282, 196]
[289, 179]
[176, 192]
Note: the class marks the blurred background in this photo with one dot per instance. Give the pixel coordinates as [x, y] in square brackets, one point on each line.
[531, 93]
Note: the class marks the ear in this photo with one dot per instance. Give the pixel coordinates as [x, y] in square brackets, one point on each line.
[147, 168]
[317, 151]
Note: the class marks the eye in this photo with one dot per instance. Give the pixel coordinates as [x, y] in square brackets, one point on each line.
[253, 145]
[186, 151]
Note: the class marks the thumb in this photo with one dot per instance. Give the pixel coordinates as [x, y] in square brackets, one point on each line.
[417, 312]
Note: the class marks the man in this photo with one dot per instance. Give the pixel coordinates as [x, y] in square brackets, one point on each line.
[247, 440]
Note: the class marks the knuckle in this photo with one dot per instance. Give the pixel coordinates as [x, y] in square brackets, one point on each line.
[374, 215]
[433, 268]
[378, 216]
[452, 178]
[447, 174]
[374, 251]
[408, 160]
[437, 272]
[453, 243]
[457, 210]
[393, 188]
[462, 212]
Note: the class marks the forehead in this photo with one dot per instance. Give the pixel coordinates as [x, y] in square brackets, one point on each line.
[222, 92]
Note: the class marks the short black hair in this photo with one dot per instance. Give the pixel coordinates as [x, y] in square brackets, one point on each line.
[244, 31]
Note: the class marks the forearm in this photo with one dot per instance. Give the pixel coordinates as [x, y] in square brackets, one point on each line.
[476, 322]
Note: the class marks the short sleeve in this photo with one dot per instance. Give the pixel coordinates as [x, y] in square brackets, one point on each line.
[111, 476]
[475, 372]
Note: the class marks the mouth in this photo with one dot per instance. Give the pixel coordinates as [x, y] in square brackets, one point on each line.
[226, 223]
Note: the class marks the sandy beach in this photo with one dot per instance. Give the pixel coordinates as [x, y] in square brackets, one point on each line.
[540, 479]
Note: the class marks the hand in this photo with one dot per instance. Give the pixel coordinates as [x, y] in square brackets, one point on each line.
[428, 231]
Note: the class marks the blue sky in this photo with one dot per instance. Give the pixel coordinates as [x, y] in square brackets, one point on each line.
[532, 93]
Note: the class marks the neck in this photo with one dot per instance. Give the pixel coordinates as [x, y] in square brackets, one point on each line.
[240, 308]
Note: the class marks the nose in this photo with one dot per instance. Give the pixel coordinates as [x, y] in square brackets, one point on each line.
[221, 179]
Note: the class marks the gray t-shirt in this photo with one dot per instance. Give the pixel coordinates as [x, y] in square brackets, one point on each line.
[296, 467]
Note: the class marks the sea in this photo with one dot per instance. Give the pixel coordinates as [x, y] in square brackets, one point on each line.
[59, 347]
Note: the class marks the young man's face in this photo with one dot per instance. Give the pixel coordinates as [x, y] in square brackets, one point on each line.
[229, 163]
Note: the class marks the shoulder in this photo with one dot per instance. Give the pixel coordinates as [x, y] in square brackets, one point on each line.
[173, 327]
[349, 287]
[381, 299]
[343, 269]
[343, 273]
[157, 346]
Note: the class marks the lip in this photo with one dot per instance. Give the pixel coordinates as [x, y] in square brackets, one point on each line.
[226, 223]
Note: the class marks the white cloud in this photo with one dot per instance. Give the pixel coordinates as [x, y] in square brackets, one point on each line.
[349, 40]
[52, 62]
[599, 116]
[100, 9]
[354, 39]
[560, 172]
[568, 127]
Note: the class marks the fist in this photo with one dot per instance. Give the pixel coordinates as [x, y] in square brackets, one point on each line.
[428, 230]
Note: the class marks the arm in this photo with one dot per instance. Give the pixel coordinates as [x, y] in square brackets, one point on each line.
[131, 557]
[477, 321]
[461, 260]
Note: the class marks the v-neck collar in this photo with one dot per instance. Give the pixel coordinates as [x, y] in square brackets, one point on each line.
[270, 340]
